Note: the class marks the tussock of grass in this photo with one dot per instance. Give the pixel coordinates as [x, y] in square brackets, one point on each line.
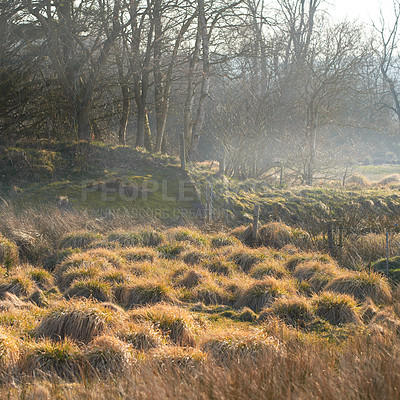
[43, 279]
[191, 279]
[39, 298]
[316, 274]
[336, 308]
[91, 289]
[220, 266]
[295, 311]
[362, 285]
[271, 267]
[147, 238]
[144, 292]
[9, 351]
[11, 301]
[263, 293]
[191, 236]
[137, 254]
[176, 323]
[237, 346]
[193, 257]
[223, 241]
[357, 180]
[172, 357]
[49, 358]
[80, 240]
[77, 320]
[143, 337]
[170, 251]
[19, 284]
[247, 258]
[278, 235]
[109, 355]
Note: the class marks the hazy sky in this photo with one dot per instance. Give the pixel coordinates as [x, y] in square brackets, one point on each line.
[364, 10]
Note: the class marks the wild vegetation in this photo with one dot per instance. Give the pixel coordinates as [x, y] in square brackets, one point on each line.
[116, 309]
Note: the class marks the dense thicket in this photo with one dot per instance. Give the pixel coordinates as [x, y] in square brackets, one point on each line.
[253, 82]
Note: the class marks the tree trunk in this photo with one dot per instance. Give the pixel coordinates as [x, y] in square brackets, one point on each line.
[205, 87]
[123, 123]
[141, 116]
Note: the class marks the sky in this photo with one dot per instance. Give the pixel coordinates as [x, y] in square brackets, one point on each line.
[363, 10]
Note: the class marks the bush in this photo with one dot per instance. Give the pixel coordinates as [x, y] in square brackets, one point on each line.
[362, 285]
[77, 320]
[336, 308]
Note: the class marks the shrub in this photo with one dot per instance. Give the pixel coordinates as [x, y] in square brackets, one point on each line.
[80, 240]
[77, 320]
[336, 308]
[90, 289]
[8, 253]
[62, 358]
[109, 355]
[295, 311]
[362, 285]
[263, 293]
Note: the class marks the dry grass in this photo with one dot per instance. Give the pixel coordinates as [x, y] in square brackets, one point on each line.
[362, 285]
[150, 346]
[77, 320]
[336, 308]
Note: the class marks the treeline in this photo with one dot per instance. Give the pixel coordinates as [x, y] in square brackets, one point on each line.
[253, 83]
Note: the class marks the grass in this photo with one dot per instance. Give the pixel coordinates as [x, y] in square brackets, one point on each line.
[198, 315]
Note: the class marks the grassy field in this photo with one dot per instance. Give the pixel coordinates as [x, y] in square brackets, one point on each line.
[104, 309]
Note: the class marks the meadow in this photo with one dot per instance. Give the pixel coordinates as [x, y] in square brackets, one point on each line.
[100, 308]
